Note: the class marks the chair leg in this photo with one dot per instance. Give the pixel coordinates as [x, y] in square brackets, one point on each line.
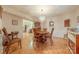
[5, 50]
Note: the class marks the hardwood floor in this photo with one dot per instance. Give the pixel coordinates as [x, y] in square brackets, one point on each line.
[59, 47]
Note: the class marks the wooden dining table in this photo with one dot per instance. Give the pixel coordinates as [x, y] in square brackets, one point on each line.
[14, 35]
[43, 32]
[43, 35]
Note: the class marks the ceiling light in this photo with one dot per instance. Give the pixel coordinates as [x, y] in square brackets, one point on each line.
[42, 18]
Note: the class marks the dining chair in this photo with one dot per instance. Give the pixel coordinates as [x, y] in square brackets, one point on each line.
[8, 41]
[51, 40]
[52, 32]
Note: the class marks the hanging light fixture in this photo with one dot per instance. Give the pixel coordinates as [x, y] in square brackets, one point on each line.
[42, 16]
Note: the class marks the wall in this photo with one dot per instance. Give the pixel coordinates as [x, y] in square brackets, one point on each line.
[59, 29]
[7, 23]
[58, 25]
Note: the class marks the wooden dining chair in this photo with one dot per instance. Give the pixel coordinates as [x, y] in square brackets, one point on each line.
[49, 35]
[51, 40]
[52, 32]
[8, 41]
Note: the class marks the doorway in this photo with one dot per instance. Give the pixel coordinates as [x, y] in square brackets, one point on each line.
[27, 25]
[27, 33]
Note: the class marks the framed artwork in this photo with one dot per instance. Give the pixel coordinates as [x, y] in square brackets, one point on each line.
[67, 23]
[14, 22]
[51, 23]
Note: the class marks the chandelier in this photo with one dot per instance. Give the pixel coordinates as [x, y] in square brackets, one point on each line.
[42, 17]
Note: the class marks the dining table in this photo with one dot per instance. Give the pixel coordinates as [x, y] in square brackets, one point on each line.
[14, 34]
[43, 35]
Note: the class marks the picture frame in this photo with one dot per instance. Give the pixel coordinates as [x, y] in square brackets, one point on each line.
[67, 23]
[14, 22]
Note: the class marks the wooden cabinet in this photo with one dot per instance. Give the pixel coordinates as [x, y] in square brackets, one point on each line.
[77, 44]
[72, 41]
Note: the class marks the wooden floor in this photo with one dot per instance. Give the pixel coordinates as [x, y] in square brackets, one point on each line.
[59, 47]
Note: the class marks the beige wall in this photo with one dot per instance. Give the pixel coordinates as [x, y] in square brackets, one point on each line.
[60, 30]
[7, 23]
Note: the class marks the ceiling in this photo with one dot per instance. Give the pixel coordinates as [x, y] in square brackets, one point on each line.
[47, 10]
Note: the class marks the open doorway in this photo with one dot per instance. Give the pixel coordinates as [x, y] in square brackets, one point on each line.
[27, 33]
[27, 25]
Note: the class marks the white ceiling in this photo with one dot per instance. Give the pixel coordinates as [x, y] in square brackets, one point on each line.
[48, 10]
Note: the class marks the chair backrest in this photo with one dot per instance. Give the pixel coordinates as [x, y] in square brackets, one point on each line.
[6, 37]
[35, 31]
[52, 31]
[4, 31]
